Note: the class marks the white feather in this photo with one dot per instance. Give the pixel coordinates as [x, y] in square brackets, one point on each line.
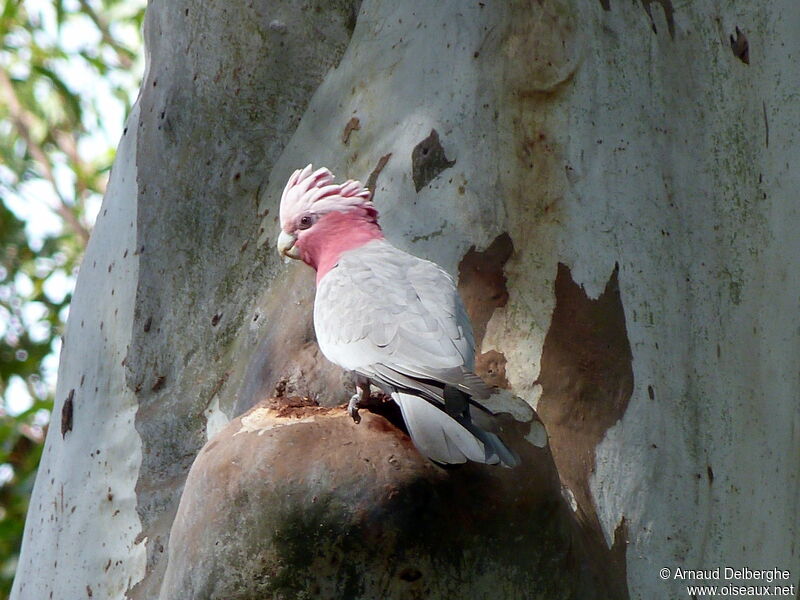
[437, 435]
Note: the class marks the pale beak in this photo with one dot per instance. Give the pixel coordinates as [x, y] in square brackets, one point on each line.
[286, 245]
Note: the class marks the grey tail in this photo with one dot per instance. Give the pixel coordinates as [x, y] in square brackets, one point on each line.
[447, 434]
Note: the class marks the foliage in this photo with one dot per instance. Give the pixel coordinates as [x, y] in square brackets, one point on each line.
[68, 72]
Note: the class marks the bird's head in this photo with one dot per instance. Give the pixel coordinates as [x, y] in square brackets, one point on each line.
[317, 213]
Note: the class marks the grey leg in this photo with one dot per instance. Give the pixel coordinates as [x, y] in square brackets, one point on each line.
[360, 398]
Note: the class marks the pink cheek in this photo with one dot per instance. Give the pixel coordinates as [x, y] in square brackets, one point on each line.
[301, 237]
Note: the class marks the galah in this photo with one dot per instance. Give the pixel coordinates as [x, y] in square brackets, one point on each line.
[393, 319]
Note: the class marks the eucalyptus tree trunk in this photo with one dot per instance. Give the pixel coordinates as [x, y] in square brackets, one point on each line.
[613, 186]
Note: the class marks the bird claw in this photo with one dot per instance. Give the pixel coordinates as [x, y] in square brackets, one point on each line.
[352, 408]
[359, 399]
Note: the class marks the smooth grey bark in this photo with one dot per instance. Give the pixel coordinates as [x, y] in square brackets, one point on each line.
[613, 185]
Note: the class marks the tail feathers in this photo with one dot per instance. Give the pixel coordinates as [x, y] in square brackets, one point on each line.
[494, 446]
[444, 439]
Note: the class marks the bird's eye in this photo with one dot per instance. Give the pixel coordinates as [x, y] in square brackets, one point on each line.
[305, 222]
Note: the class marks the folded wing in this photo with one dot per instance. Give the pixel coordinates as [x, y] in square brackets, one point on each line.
[399, 321]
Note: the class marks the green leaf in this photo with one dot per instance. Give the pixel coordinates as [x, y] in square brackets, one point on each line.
[10, 10]
[60, 13]
[71, 101]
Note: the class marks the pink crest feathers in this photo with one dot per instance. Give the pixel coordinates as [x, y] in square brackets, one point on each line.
[307, 188]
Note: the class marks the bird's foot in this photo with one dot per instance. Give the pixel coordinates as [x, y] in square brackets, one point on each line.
[360, 399]
[352, 407]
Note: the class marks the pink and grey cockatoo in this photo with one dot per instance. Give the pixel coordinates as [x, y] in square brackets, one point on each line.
[393, 319]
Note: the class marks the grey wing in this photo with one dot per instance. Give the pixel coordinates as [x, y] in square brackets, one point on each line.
[437, 293]
[399, 321]
[383, 307]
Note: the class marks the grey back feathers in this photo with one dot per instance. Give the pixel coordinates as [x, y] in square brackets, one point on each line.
[399, 321]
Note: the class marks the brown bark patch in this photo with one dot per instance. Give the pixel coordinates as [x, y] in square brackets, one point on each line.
[372, 181]
[66, 414]
[428, 160]
[482, 285]
[295, 406]
[492, 367]
[669, 15]
[482, 282]
[352, 125]
[740, 46]
[587, 382]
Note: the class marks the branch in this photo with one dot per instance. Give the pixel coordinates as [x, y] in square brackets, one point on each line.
[24, 122]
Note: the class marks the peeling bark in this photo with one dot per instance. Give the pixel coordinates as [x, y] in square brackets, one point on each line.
[586, 378]
[587, 381]
[482, 283]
